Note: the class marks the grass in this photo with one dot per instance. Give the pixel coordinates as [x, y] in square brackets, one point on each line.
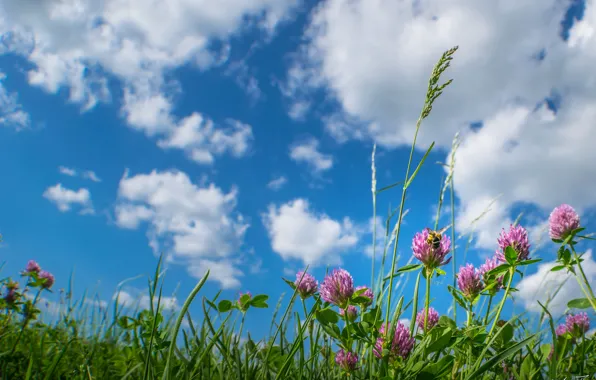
[310, 339]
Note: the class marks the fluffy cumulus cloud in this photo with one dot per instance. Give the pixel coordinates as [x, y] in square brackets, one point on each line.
[76, 44]
[135, 299]
[11, 111]
[299, 233]
[543, 285]
[65, 198]
[502, 72]
[197, 225]
[308, 152]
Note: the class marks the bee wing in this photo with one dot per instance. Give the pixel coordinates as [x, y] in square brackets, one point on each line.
[442, 230]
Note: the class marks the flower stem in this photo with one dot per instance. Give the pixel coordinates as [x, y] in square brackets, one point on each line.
[589, 293]
[511, 273]
[490, 301]
[427, 300]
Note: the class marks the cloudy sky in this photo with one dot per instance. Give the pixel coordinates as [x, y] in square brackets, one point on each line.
[236, 135]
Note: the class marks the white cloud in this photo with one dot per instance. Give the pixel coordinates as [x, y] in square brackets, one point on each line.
[11, 111]
[67, 171]
[197, 225]
[201, 140]
[522, 152]
[277, 183]
[134, 299]
[542, 284]
[90, 175]
[65, 198]
[296, 232]
[308, 152]
[71, 172]
[77, 45]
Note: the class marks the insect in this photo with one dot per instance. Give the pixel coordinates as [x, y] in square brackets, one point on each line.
[434, 237]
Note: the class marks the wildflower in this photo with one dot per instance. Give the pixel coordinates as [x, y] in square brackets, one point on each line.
[401, 344]
[490, 264]
[352, 313]
[517, 238]
[561, 330]
[433, 318]
[337, 288]
[32, 267]
[431, 248]
[306, 284]
[469, 281]
[367, 293]
[48, 277]
[346, 360]
[562, 221]
[578, 323]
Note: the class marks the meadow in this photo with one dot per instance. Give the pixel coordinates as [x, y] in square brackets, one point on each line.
[331, 328]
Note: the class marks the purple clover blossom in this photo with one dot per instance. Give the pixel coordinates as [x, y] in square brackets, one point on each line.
[469, 281]
[578, 322]
[368, 293]
[337, 288]
[562, 221]
[352, 313]
[32, 267]
[561, 330]
[490, 264]
[48, 277]
[401, 345]
[517, 238]
[306, 284]
[433, 318]
[423, 250]
[346, 360]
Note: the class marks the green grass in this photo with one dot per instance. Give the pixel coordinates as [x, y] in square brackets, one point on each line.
[87, 341]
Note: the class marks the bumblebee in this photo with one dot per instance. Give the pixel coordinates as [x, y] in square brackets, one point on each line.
[434, 238]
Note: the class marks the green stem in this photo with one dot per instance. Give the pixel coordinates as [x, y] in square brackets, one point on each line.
[25, 322]
[399, 218]
[453, 246]
[490, 301]
[590, 296]
[427, 300]
[511, 273]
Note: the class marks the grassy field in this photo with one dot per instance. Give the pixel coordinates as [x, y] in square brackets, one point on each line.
[331, 328]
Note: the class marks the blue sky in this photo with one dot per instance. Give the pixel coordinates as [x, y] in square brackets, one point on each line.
[172, 136]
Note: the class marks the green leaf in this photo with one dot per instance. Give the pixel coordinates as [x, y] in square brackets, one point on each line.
[440, 343]
[404, 269]
[557, 268]
[360, 300]
[579, 303]
[510, 255]
[260, 298]
[224, 306]
[528, 262]
[458, 297]
[290, 283]
[326, 316]
[506, 353]
[498, 270]
[419, 165]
